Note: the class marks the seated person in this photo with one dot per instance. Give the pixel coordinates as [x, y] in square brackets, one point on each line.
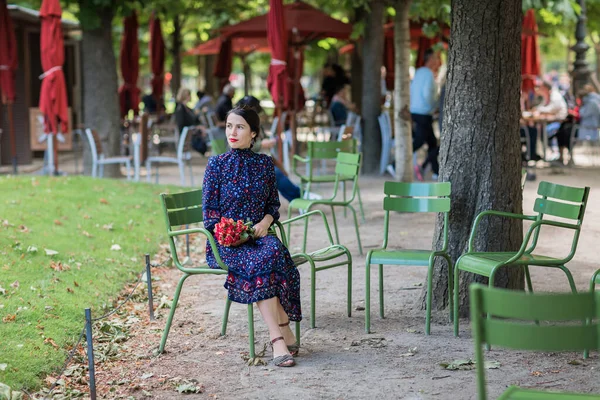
[589, 121]
[224, 104]
[553, 108]
[185, 117]
[340, 106]
[151, 106]
[204, 102]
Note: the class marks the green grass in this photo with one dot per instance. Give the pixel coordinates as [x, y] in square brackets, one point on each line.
[71, 216]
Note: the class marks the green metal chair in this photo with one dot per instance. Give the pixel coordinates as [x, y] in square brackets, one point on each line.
[327, 257]
[409, 197]
[218, 146]
[183, 209]
[347, 166]
[514, 323]
[324, 151]
[557, 201]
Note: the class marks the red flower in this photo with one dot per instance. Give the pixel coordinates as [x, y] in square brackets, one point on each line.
[229, 232]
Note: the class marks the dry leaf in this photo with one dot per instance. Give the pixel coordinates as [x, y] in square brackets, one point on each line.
[24, 229]
[70, 290]
[537, 373]
[51, 342]
[76, 284]
[9, 318]
[86, 234]
[59, 266]
[15, 284]
[50, 252]
[87, 217]
[108, 227]
[103, 201]
[5, 223]
[57, 222]
[115, 247]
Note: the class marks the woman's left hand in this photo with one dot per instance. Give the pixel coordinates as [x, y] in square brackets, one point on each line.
[260, 230]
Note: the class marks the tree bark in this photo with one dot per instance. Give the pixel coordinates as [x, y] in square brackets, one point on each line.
[176, 42]
[480, 149]
[402, 126]
[212, 86]
[371, 80]
[356, 67]
[100, 93]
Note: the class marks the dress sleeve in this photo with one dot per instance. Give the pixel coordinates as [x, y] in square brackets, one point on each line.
[272, 205]
[211, 208]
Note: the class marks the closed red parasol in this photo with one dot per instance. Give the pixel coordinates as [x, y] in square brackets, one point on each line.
[277, 38]
[530, 52]
[223, 65]
[53, 94]
[129, 94]
[156, 48]
[8, 65]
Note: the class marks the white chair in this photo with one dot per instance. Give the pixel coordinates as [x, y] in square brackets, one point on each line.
[182, 157]
[585, 134]
[98, 158]
[387, 142]
[212, 119]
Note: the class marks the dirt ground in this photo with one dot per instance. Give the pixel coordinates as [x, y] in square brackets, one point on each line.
[337, 359]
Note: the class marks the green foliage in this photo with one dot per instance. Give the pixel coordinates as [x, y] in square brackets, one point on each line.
[42, 297]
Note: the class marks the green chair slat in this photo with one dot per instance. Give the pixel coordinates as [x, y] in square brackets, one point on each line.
[347, 170]
[556, 209]
[185, 216]
[417, 189]
[516, 393]
[192, 198]
[329, 150]
[419, 204]
[401, 257]
[218, 146]
[561, 192]
[543, 307]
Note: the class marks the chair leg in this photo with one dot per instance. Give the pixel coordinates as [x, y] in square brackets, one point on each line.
[337, 236]
[101, 171]
[528, 278]
[163, 341]
[181, 173]
[428, 297]
[156, 172]
[128, 168]
[455, 294]
[569, 277]
[368, 295]
[251, 329]
[305, 232]
[298, 333]
[148, 171]
[225, 317]
[289, 226]
[360, 251]
[349, 285]
[450, 287]
[586, 352]
[344, 197]
[313, 295]
[381, 304]
[360, 204]
[95, 170]
[191, 173]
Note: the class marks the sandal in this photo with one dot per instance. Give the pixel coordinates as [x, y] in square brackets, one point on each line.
[294, 349]
[285, 360]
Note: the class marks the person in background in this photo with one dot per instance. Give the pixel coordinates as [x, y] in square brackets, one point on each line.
[224, 104]
[185, 117]
[340, 105]
[204, 102]
[423, 103]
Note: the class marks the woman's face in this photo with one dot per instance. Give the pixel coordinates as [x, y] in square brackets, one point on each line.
[238, 132]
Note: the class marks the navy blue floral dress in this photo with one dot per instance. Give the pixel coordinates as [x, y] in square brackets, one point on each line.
[240, 184]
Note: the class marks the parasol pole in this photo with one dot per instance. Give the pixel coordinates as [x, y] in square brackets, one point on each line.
[13, 140]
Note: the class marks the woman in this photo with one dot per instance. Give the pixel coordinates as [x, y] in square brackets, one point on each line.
[185, 117]
[240, 184]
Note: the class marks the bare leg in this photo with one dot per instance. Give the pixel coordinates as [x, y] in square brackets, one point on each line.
[269, 312]
[283, 318]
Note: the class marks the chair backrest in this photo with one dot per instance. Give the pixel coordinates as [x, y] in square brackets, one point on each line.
[347, 165]
[274, 126]
[329, 150]
[561, 201]
[416, 197]
[527, 321]
[182, 144]
[218, 146]
[94, 141]
[211, 116]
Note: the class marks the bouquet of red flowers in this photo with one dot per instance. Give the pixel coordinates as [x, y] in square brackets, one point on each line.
[233, 233]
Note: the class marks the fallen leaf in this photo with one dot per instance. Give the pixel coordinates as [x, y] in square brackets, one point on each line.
[574, 362]
[147, 375]
[9, 318]
[70, 290]
[491, 365]
[115, 247]
[189, 388]
[51, 342]
[86, 234]
[87, 217]
[57, 222]
[537, 373]
[3, 367]
[59, 266]
[32, 249]
[76, 284]
[50, 252]
[103, 201]
[108, 227]
[24, 229]
[15, 285]
[5, 223]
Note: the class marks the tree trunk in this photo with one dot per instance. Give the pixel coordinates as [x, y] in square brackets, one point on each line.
[371, 79]
[201, 65]
[480, 149]
[356, 64]
[402, 126]
[100, 93]
[176, 55]
[212, 86]
[597, 51]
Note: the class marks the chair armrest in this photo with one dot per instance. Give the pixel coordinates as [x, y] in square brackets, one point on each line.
[211, 241]
[300, 159]
[308, 215]
[502, 214]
